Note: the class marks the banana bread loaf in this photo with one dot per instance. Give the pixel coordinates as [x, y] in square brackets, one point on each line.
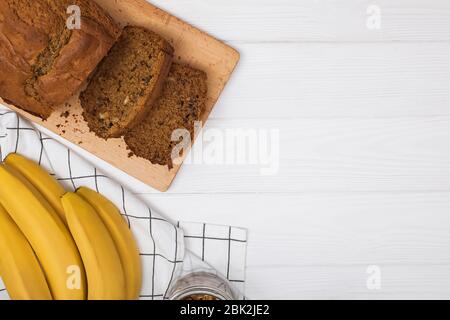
[180, 105]
[127, 82]
[42, 61]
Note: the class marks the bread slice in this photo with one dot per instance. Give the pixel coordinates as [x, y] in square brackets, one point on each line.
[126, 83]
[44, 61]
[181, 104]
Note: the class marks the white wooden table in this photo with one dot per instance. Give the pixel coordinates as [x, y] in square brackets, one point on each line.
[363, 115]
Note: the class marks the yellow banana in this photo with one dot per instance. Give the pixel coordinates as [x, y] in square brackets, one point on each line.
[105, 276]
[30, 187]
[122, 237]
[48, 186]
[46, 233]
[19, 267]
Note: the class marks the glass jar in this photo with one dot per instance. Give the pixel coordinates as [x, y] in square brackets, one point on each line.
[201, 286]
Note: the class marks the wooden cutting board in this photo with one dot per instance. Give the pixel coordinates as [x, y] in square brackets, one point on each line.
[191, 46]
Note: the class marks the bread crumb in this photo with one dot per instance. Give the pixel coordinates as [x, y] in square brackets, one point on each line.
[65, 114]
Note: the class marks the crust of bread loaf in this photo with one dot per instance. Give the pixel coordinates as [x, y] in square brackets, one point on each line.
[23, 40]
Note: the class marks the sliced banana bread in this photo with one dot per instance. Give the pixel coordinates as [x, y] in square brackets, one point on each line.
[42, 61]
[180, 105]
[127, 82]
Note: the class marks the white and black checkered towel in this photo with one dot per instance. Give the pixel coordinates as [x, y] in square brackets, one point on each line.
[167, 248]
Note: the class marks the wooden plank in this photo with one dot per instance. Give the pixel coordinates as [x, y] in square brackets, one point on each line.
[326, 229]
[312, 20]
[328, 80]
[191, 45]
[348, 282]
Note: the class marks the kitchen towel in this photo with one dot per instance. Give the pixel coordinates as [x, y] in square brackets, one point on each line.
[168, 248]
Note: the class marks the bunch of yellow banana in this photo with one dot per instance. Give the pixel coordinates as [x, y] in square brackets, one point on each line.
[58, 245]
